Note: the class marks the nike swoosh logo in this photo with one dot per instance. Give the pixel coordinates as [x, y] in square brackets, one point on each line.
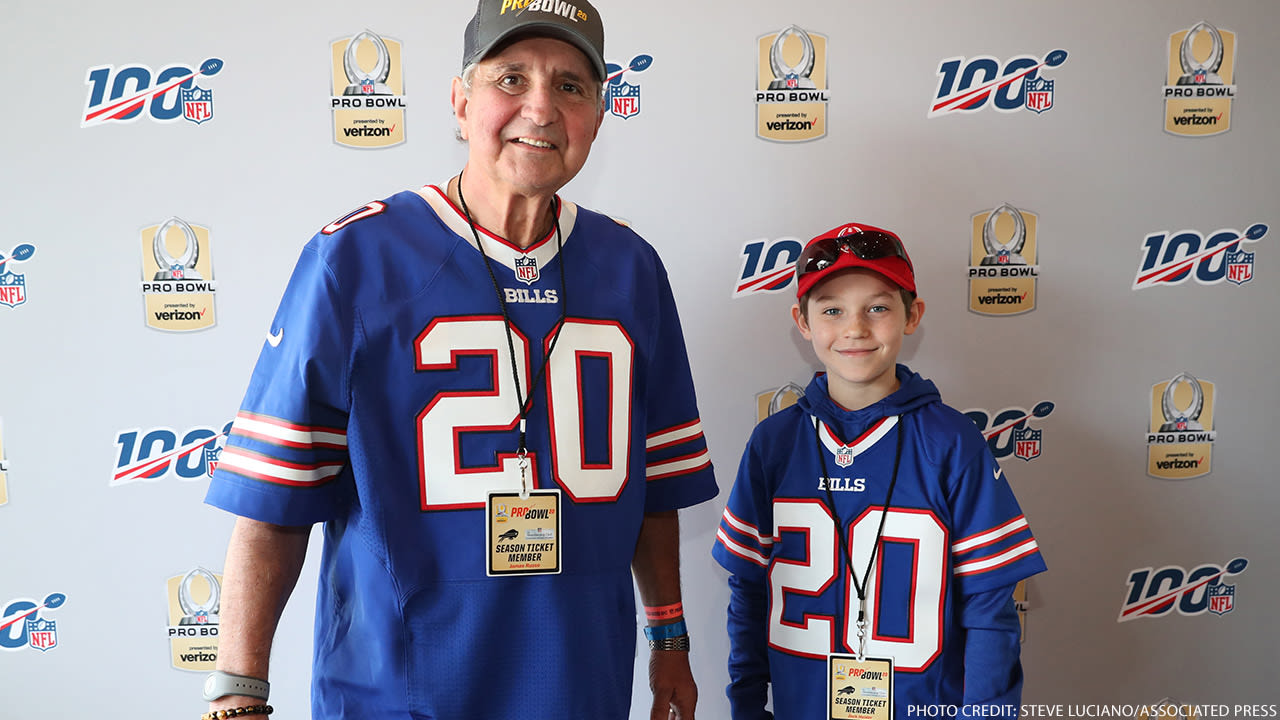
[273, 339]
[998, 472]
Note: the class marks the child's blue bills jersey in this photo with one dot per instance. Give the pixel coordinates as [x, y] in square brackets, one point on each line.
[384, 405]
[954, 544]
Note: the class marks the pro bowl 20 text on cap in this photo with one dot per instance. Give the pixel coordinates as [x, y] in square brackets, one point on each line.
[854, 245]
[575, 22]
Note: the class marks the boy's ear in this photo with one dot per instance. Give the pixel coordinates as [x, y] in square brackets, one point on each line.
[914, 314]
[800, 320]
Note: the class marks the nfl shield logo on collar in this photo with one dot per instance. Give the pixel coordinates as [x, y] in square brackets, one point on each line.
[527, 270]
[844, 456]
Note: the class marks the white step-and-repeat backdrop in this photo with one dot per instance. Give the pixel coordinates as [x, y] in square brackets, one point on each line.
[1088, 189]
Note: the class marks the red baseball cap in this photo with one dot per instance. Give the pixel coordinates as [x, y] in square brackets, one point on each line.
[854, 245]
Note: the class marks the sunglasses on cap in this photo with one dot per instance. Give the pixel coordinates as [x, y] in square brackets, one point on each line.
[868, 245]
[865, 244]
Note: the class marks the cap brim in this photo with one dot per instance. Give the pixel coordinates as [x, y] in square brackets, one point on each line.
[551, 30]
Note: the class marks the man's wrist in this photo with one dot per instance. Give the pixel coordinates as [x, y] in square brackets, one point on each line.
[671, 636]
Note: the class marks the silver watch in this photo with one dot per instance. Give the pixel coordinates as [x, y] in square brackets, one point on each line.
[220, 684]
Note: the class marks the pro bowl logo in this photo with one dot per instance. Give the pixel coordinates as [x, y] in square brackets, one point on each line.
[13, 285]
[195, 599]
[1007, 432]
[158, 453]
[791, 85]
[1200, 81]
[177, 276]
[771, 401]
[970, 84]
[1180, 436]
[367, 98]
[1155, 593]
[768, 266]
[1003, 269]
[25, 623]
[1171, 258]
[125, 93]
[622, 98]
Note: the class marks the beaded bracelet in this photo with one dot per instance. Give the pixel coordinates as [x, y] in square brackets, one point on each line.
[237, 712]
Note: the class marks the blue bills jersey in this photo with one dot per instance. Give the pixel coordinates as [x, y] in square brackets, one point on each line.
[384, 405]
[953, 535]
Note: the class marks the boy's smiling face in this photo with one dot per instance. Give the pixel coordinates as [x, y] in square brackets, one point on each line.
[856, 320]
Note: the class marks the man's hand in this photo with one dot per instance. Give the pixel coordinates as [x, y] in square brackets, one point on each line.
[671, 680]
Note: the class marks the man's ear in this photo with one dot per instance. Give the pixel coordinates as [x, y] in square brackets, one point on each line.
[458, 98]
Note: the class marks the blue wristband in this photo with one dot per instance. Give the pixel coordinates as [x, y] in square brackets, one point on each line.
[662, 632]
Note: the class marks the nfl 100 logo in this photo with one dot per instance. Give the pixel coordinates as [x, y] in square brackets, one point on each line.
[969, 84]
[1007, 432]
[154, 454]
[1155, 592]
[621, 97]
[22, 624]
[767, 266]
[13, 285]
[126, 93]
[1172, 258]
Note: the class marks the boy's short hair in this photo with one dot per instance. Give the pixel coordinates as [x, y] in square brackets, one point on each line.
[854, 245]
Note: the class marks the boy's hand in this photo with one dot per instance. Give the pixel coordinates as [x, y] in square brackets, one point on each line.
[674, 692]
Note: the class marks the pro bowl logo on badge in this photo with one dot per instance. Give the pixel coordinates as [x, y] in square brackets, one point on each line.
[1199, 84]
[1007, 433]
[177, 276]
[967, 85]
[771, 401]
[128, 92]
[768, 266]
[621, 97]
[1171, 258]
[195, 599]
[13, 285]
[1003, 271]
[1180, 436]
[1153, 593]
[156, 453]
[367, 97]
[791, 85]
[24, 624]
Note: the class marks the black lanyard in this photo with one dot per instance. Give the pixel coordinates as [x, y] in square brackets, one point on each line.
[525, 403]
[859, 588]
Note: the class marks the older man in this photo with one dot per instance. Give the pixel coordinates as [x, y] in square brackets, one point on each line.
[482, 391]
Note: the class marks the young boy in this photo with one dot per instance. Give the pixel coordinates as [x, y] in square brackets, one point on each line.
[872, 540]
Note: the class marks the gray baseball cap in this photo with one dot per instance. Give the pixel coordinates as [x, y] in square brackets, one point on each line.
[574, 21]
